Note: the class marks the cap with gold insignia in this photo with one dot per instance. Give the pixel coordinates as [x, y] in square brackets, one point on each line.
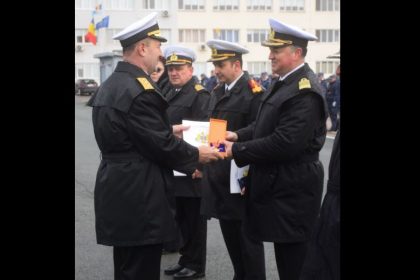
[146, 27]
[222, 50]
[282, 34]
[177, 55]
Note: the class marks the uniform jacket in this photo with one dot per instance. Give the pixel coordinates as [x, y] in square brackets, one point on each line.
[189, 103]
[239, 107]
[139, 153]
[285, 177]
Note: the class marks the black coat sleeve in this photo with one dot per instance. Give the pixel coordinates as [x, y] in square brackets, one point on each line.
[152, 134]
[297, 121]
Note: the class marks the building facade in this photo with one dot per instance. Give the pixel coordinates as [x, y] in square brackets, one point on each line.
[193, 22]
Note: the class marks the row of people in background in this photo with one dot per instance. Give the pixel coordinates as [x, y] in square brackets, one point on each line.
[276, 134]
[331, 92]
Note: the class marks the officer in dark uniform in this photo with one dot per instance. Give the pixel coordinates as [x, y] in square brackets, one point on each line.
[187, 100]
[139, 152]
[282, 146]
[236, 100]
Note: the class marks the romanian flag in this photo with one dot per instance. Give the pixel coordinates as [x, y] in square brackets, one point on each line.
[91, 33]
[104, 23]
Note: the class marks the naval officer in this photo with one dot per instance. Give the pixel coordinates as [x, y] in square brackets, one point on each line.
[236, 100]
[187, 100]
[282, 146]
[139, 152]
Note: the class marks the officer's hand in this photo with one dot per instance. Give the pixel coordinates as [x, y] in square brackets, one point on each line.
[243, 191]
[228, 147]
[177, 129]
[208, 154]
[231, 136]
[197, 174]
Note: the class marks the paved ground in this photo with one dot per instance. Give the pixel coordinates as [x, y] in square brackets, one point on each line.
[94, 262]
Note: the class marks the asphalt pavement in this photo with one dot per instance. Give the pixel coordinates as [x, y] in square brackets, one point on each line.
[93, 261]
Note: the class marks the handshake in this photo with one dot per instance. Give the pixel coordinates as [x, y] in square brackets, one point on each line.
[210, 153]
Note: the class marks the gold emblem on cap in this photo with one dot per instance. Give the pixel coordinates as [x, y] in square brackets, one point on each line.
[173, 57]
[304, 83]
[271, 34]
[145, 83]
[155, 32]
[213, 52]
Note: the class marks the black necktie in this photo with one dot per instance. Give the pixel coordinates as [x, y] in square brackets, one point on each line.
[277, 85]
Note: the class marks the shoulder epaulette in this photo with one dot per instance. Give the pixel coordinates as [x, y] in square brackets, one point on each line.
[145, 83]
[304, 83]
[198, 87]
[254, 86]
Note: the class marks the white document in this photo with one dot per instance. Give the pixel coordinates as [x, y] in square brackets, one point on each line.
[235, 174]
[196, 135]
[176, 173]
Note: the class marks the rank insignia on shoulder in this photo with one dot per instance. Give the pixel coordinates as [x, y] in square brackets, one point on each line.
[145, 83]
[253, 85]
[304, 83]
[198, 87]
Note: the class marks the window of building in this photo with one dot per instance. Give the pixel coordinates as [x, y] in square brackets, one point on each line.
[117, 4]
[226, 5]
[192, 36]
[87, 71]
[156, 4]
[326, 67]
[255, 68]
[292, 5]
[85, 4]
[259, 5]
[80, 36]
[328, 35]
[106, 4]
[256, 35]
[231, 35]
[195, 5]
[199, 68]
[327, 5]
